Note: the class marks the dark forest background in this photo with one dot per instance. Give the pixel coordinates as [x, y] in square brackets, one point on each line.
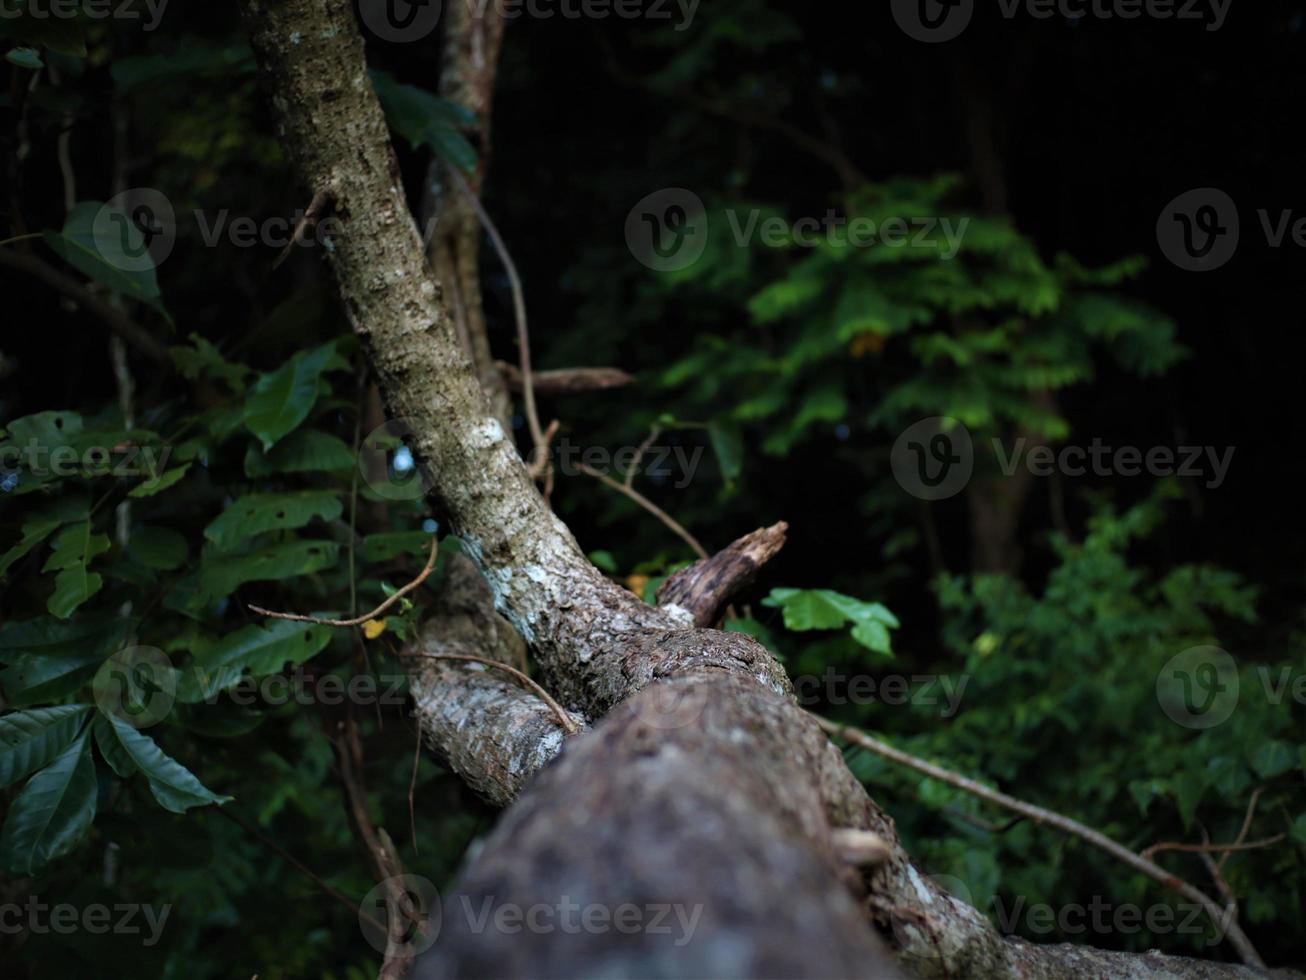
[1060, 136]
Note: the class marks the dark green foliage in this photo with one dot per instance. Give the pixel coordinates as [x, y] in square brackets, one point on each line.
[775, 372]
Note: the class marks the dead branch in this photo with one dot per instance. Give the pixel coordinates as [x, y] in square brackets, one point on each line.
[566, 381]
[706, 587]
[1039, 815]
[670, 522]
[359, 620]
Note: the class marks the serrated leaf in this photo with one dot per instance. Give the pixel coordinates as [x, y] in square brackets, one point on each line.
[52, 813]
[31, 740]
[72, 552]
[282, 399]
[202, 359]
[823, 609]
[173, 785]
[261, 512]
[74, 547]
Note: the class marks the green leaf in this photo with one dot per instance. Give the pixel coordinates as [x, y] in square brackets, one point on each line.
[222, 576]
[282, 399]
[261, 512]
[161, 548]
[49, 658]
[427, 120]
[728, 444]
[31, 740]
[159, 483]
[173, 785]
[106, 252]
[873, 635]
[46, 430]
[24, 58]
[1272, 759]
[52, 813]
[198, 683]
[220, 720]
[74, 548]
[205, 360]
[110, 748]
[265, 649]
[823, 609]
[304, 451]
[35, 531]
[390, 544]
[1188, 791]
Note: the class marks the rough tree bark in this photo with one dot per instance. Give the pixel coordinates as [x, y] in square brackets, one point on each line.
[702, 784]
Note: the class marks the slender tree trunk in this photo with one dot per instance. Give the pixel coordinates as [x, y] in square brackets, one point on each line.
[472, 38]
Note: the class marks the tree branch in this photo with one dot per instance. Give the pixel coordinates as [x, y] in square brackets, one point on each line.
[114, 318]
[566, 381]
[360, 620]
[1224, 924]
[707, 586]
[674, 526]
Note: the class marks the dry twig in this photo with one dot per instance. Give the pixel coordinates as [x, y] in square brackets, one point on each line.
[1223, 920]
[359, 620]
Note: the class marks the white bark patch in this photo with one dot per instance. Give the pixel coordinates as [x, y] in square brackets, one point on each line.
[486, 433]
[918, 885]
[679, 614]
[547, 747]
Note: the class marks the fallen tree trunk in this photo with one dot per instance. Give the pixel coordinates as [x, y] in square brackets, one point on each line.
[705, 786]
[691, 819]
